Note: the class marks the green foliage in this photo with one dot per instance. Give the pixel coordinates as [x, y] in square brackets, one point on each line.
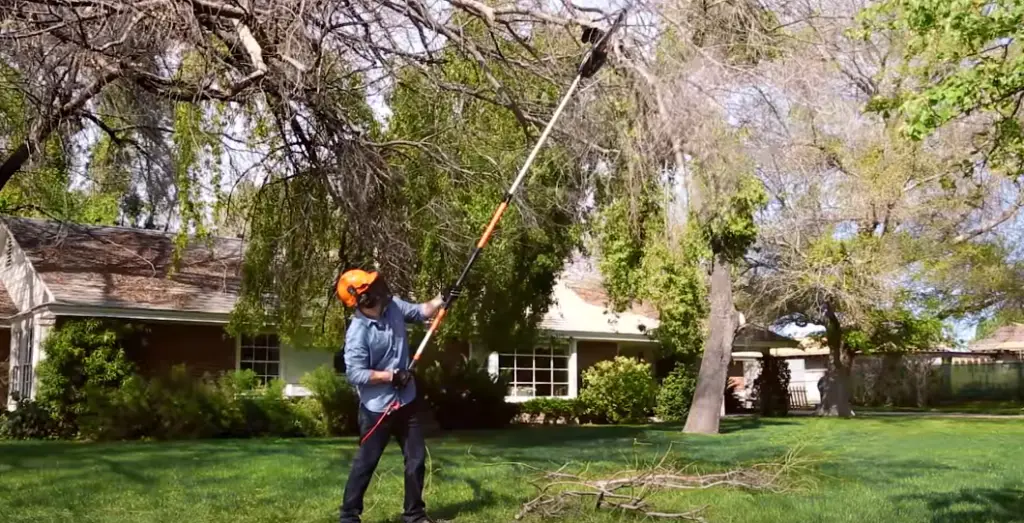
[965, 57]
[81, 355]
[465, 396]
[29, 420]
[46, 190]
[676, 394]
[487, 144]
[178, 405]
[731, 228]
[771, 387]
[896, 330]
[621, 390]
[552, 410]
[337, 400]
[638, 262]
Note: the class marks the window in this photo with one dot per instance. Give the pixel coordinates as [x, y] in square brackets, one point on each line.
[262, 355]
[541, 372]
[21, 373]
[9, 253]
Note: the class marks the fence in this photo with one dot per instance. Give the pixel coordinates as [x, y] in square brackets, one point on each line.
[918, 381]
[1000, 380]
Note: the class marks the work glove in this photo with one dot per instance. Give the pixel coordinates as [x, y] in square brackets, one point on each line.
[400, 378]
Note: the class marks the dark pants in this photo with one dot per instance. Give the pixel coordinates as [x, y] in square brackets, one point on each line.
[404, 425]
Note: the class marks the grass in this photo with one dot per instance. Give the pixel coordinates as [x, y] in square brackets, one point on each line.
[993, 408]
[892, 469]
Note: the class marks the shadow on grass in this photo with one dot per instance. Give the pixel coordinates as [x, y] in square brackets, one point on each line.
[994, 505]
[731, 425]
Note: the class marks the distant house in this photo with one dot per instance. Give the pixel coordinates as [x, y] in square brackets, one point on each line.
[52, 272]
[1005, 344]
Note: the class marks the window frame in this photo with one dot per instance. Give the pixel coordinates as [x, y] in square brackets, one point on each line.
[240, 346]
[21, 378]
[516, 387]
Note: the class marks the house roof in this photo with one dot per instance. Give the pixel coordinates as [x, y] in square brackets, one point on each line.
[129, 268]
[586, 311]
[1006, 338]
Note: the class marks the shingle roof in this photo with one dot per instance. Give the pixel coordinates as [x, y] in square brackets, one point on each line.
[1007, 337]
[573, 312]
[129, 268]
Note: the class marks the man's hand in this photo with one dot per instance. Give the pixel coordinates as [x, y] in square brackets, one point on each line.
[401, 378]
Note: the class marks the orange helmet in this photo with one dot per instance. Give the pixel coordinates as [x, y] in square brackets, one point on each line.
[353, 284]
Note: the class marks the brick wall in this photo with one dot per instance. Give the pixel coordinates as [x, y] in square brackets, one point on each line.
[202, 348]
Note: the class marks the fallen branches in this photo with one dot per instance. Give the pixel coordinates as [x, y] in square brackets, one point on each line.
[628, 490]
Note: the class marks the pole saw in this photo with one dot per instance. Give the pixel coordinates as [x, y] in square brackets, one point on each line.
[594, 59]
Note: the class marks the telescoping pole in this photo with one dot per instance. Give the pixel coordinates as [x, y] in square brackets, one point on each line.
[587, 67]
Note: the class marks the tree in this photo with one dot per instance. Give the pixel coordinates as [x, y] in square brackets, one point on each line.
[860, 215]
[181, 102]
[677, 136]
[963, 62]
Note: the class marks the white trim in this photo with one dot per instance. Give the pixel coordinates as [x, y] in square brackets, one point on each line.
[61, 309]
[592, 336]
[574, 385]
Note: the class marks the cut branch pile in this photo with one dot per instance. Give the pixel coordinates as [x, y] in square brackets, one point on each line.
[628, 491]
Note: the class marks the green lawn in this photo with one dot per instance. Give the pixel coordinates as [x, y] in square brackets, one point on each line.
[894, 469]
[994, 408]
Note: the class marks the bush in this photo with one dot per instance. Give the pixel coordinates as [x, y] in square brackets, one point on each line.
[771, 388]
[552, 410]
[338, 403]
[676, 394]
[465, 396]
[309, 416]
[179, 406]
[621, 390]
[80, 355]
[29, 420]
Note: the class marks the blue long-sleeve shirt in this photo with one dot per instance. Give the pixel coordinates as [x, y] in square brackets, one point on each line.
[380, 344]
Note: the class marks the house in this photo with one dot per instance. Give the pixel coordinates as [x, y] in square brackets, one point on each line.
[1005, 344]
[53, 272]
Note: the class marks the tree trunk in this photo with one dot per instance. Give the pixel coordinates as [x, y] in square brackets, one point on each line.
[714, 366]
[836, 401]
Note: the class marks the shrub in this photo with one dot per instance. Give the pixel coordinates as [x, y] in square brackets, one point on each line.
[552, 410]
[771, 388]
[80, 355]
[309, 415]
[268, 413]
[29, 420]
[119, 414]
[179, 406]
[621, 390]
[676, 394]
[465, 396]
[337, 400]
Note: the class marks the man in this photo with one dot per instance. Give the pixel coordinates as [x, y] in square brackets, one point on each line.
[377, 361]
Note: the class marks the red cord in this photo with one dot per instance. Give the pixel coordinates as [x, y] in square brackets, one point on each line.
[391, 408]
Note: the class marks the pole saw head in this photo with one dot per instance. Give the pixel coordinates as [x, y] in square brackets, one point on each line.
[601, 41]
